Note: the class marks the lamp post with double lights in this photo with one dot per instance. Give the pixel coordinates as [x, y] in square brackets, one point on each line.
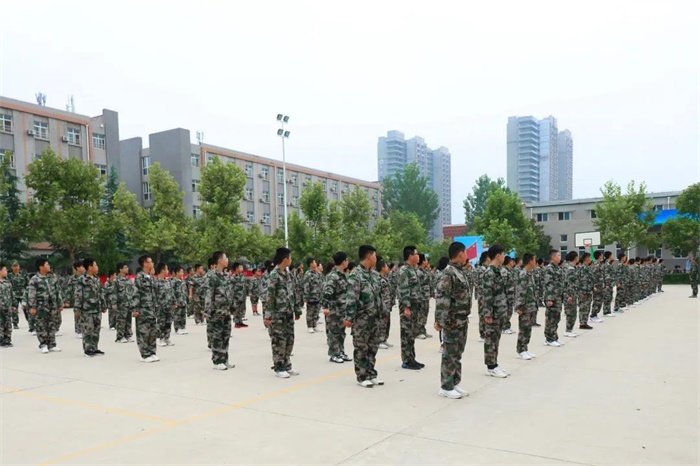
[284, 135]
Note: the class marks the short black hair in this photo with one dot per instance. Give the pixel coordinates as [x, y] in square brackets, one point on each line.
[632, 262]
[2, 265]
[216, 257]
[160, 267]
[143, 259]
[87, 262]
[421, 259]
[527, 258]
[621, 255]
[77, 264]
[281, 254]
[211, 262]
[351, 266]
[408, 252]
[309, 261]
[507, 260]
[585, 256]
[330, 265]
[365, 250]
[235, 265]
[495, 250]
[552, 252]
[607, 255]
[197, 266]
[484, 256]
[40, 263]
[572, 255]
[339, 257]
[121, 265]
[597, 254]
[540, 261]
[380, 265]
[176, 269]
[443, 262]
[190, 269]
[455, 248]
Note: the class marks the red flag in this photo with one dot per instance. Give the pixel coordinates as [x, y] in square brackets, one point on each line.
[471, 252]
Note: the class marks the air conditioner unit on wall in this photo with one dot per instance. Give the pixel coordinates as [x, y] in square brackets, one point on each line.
[30, 132]
[260, 175]
[64, 138]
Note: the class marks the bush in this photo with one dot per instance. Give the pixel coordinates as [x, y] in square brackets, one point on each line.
[676, 279]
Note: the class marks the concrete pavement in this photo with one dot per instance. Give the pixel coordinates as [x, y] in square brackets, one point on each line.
[623, 393]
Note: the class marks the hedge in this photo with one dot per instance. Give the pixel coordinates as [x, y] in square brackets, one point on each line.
[676, 279]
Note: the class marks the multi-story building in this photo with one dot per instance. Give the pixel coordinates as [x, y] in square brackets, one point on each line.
[263, 201]
[535, 169]
[394, 152]
[563, 219]
[28, 129]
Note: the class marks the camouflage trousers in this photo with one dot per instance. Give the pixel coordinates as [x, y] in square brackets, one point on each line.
[366, 339]
[254, 301]
[571, 312]
[58, 319]
[597, 303]
[620, 297]
[112, 317]
[335, 333]
[219, 331]
[76, 323]
[238, 312]
[198, 311]
[507, 317]
[14, 317]
[694, 288]
[607, 301]
[90, 328]
[420, 323]
[31, 320]
[6, 326]
[552, 316]
[165, 323]
[312, 310]
[146, 333]
[525, 321]
[384, 323]
[492, 339]
[408, 337]
[124, 324]
[282, 341]
[46, 328]
[584, 307]
[453, 342]
[180, 318]
[482, 324]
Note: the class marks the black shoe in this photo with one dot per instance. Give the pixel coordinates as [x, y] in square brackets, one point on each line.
[8, 345]
[15, 326]
[98, 353]
[410, 365]
[89, 354]
[419, 364]
[536, 325]
[585, 327]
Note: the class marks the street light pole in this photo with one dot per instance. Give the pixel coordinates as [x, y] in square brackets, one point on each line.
[284, 135]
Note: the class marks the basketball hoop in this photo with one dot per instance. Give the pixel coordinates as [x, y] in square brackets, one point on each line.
[587, 242]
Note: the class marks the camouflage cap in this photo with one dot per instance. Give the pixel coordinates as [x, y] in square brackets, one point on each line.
[14, 263]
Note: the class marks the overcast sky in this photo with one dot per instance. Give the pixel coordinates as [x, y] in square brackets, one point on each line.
[623, 76]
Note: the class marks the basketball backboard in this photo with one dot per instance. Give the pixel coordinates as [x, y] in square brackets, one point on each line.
[587, 239]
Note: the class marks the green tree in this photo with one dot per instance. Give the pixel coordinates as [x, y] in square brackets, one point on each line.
[300, 236]
[13, 242]
[438, 249]
[683, 232]
[110, 244]
[408, 230]
[624, 218]
[544, 242]
[503, 222]
[64, 208]
[314, 206]
[408, 191]
[475, 203]
[356, 211]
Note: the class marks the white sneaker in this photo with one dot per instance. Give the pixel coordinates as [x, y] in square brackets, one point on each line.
[123, 340]
[532, 355]
[282, 374]
[220, 367]
[388, 344]
[609, 315]
[383, 346]
[230, 366]
[44, 349]
[421, 337]
[55, 349]
[525, 356]
[376, 381]
[598, 320]
[497, 372]
[461, 391]
[33, 333]
[311, 330]
[112, 329]
[552, 343]
[366, 384]
[59, 334]
[571, 334]
[169, 343]
[149, 359]
[155, 358]
[79, 336]
[129, 340]
[481, 340]
[508, 331]
[293, 372]
[180, 332]
[162, 343]
[451, 394]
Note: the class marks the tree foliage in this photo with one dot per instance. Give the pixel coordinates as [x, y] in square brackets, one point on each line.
[110, 242]
[408, 191]
[475, 203]
[624, 218]
[683, 232]
[503, 222]
[13, 244]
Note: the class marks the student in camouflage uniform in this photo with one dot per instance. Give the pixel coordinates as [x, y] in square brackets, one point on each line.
[621, 283]
[333, 303]
[78, 271]
[598, 285]
[180, 293]
[495, 304]
[409, 306]
[694, 276]
[43, 304]
[281, 312]
[145, 310]
[538, 275]
[254, 290]
[197, 284]
[88, 305]
[421, 321]
[7, 308]
[443, 262]
[386, 293]
[312, 285]
[452, 308]
[19, 281]
[570, 283]
[633, 276]
[298, 280]
[608, 276]
[525, 305]
[217, 307]
[264, 284]
[484, 263]
[364, 312]
[509, 278]
[165, 304]
[107, 291]
[553, 293]
[662, 274]
[585, 291]
[122, 301]
[238, 295]
[188, 287]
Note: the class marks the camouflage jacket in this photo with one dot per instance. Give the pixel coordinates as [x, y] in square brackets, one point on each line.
[694, 272]
[364, 295]
[608, 275]
[165, 297]
[386, 294]
[538, 275]
[123, 296]
[454, 297]
[585, 279]
[253, 287]
[313, 287]
[298, 280]
[238, 290]
[436, 279]
[509, 278]
[425, 284]
[41, 295]
[145, 296]
[409, 288]
[19, 285]
[218, 293]
[570, 281]
[393, 277]
[7, 300]
[88, 295]
[180, 291]
[70, 288]
[263, 286]
[108, 292]
[281, 295]
[553, 283]
[334, 291]
[526, 292]
[493, 294]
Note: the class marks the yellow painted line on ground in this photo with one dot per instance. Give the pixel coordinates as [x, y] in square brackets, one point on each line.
[216, 412]
[63, 401]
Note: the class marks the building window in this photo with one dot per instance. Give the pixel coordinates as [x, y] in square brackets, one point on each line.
[324, 182]
[593, 214]
[5, 123]
[98, 141]
[196, 211]
[280, 221]
[677, 254]
[266, 218]
[3, 154]
[564, 216]
[563, 238]
[210, 157]
[280, 176]
[307, 180]
[346, 188]
[248, 194]
[581, 250]
[564, 250]
[658, 207]
[74, 136]
[249, 170]
[145, 165]
[542, 217]
[334, 186]
[36, 156]
[295, 179]
[280, 199]
[265, 173]
[195, 186]
[250, 216]
[265, 197]
[147, 191]
[295, 200]
[194, 160]
[41, 130]
[102, 169]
